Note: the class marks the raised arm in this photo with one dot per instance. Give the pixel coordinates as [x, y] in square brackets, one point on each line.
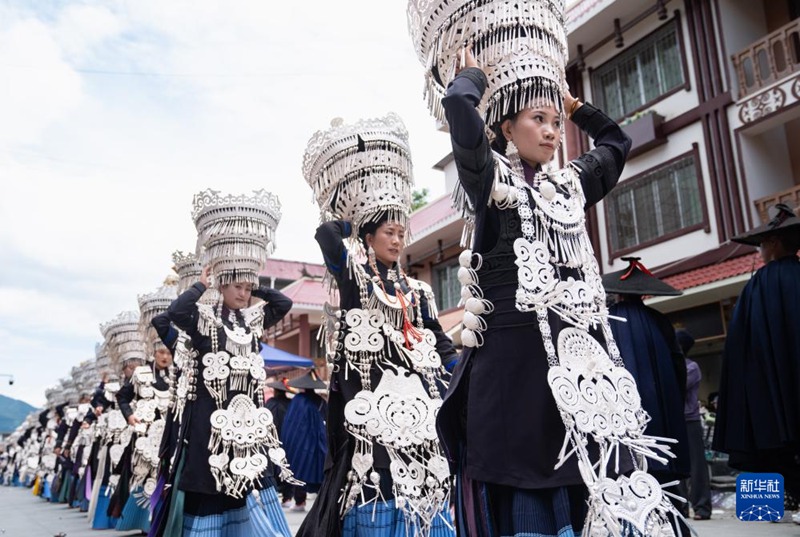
[166, 332]
[276, 306]
[602, 166]
[183, 310]
[471, 150]
[124, 398]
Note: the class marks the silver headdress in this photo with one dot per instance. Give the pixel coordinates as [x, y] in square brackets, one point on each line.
[521, 46]
[88, 377]
[188, 268]
[235, 234]
[123, 340]
[360, 171]
[153, 304]
[102, 359]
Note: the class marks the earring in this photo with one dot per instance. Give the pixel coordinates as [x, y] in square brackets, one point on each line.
[512, 154]
[511, 149]
[371, 257]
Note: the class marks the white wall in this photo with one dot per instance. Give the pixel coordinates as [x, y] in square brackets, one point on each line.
[743, 22]
[681, 247]
[767, 165]
[673, 105]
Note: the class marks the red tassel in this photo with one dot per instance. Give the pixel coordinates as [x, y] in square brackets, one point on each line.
[410, 332]
[635, 265]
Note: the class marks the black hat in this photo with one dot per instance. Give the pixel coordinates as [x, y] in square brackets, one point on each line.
[637, 280]
[309, 381]
[783, 220]
[279, 385]
[685, 340]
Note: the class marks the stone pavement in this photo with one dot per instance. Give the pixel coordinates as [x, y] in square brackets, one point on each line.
[23, 515]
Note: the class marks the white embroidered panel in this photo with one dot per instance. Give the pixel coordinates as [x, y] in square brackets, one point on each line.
[601, 398]
[399, 413]
[242, 422]
[364, 334]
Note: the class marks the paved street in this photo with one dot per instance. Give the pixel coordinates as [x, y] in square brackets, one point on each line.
[22, 515]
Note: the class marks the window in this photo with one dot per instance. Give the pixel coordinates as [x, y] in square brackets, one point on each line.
[640, 75]
[662, 202]
[446, 286]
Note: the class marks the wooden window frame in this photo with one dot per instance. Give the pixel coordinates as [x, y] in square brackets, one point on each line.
[676, 20]
[703, 224]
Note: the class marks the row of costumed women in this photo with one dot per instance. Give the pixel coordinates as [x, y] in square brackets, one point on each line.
[536, 428]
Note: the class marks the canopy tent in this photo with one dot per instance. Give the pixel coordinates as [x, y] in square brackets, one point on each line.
[278, 360]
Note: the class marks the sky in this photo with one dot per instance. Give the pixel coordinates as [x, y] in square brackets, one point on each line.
[114, 113]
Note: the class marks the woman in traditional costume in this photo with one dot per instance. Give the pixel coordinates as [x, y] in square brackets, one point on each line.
[540, 410]
[229, 438]
[385, 473]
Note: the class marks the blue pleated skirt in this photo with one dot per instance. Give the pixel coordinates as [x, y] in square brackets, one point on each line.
[134, 516]
[101, 519]
[488, 510]
[267, 514]
[386, 520]
[221, 516]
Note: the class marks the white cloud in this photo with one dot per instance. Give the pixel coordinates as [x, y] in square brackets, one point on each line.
[38, 86]
[127, 109]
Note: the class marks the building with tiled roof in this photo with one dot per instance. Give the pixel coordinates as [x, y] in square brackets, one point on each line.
[279, 273]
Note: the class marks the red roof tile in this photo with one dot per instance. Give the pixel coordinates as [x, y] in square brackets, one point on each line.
[436, 212]
[713, 273]
[307, 292]
[282, 269]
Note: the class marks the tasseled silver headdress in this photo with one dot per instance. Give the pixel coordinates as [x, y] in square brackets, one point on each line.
[521, 46]
[361, 171]
[188, 268]
[235, 234]
[123, 339]
[152, 304]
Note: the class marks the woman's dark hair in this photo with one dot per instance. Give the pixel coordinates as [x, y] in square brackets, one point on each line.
[500, 143]
[370, 228]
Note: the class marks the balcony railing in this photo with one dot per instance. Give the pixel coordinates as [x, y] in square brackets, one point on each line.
[769, 59]
[790, 197]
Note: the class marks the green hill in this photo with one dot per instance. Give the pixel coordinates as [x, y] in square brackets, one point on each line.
[12, 413]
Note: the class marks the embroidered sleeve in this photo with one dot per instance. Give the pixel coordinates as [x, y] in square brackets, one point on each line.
[166, 332]
[602, 166]
[276, 306]
[471, 150]
[183, 311]
[124, 398]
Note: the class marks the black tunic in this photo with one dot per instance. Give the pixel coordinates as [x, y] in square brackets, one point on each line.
[499, 414]
[183, 312]
[324, 519]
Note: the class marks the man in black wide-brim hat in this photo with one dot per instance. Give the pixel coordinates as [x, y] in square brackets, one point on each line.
[758, 419]
[304, 437]
[650, 352]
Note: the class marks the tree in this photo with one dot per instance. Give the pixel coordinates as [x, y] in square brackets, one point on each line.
[419, 198]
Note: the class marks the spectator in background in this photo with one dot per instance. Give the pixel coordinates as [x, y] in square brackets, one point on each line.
[650, 352]
[278, 404]
[699, 489]
[758, 422]
[304, 437]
